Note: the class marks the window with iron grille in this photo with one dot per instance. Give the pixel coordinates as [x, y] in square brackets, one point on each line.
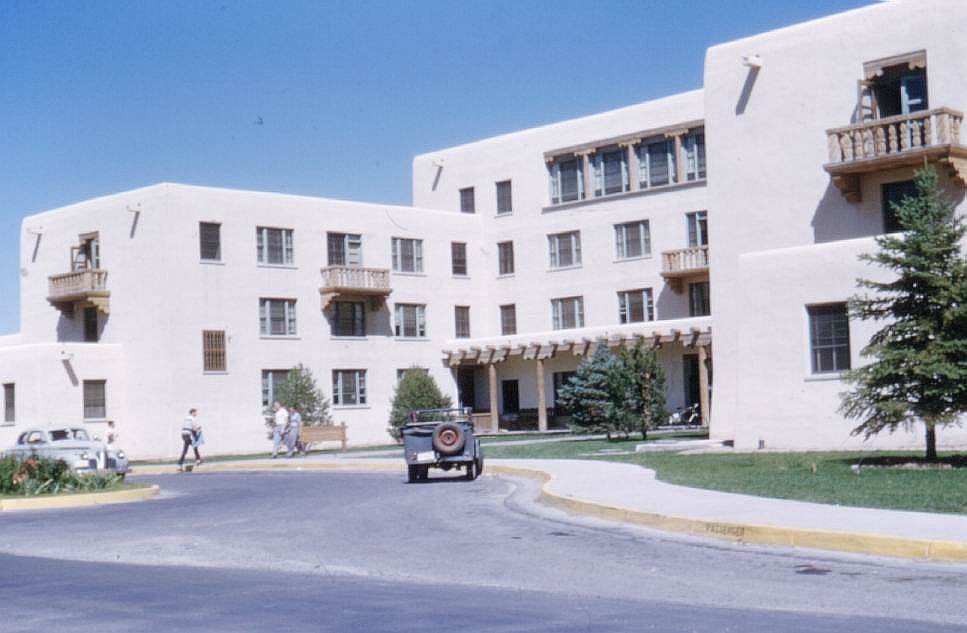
[564, 249]
[407, 255]
[9, 402]
[467, 203]
[505, 202]
[508, 319]
[344, 249]
[461, 320]
[271, 379]
[458, 258]
[567, 312]
[505, 257]
[348, 387]
[95, 401]
[635, 306]
[213, 350]
[277, 317]
[210, 241]
[349, 318]
[829, 338]
[274, 245]
[632, 239]
[410, 320]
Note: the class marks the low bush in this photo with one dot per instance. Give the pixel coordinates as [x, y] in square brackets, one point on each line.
[37, 476]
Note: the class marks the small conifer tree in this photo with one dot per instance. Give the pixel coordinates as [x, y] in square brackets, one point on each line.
[589, 394]
[416, 390]
[299, 390]
[646, 398]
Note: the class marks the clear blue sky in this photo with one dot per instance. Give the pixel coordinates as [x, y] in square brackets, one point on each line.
[318, 98]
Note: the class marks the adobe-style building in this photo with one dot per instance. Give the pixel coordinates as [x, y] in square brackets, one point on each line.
[721, 226]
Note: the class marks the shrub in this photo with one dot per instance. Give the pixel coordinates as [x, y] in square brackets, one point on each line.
[416, 390]
[36, 476]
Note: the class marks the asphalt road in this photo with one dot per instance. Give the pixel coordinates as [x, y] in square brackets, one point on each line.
[350, 552]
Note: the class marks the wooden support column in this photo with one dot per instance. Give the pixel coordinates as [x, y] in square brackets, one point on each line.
[541, 398]
[703, 383]
[632, 162]
[679, 160]
[492, 382]
[586, 174]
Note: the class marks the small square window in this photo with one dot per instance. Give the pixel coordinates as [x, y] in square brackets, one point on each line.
[829, 338]
[210, 241]
[505, 203]
[467, 202]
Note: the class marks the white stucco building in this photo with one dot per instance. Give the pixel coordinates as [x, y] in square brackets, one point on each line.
[521, 253]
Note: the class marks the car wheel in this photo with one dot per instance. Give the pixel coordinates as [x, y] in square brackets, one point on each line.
[479, 465]
[424, 472]
[448, 438]
[471, 471]
[412, 473]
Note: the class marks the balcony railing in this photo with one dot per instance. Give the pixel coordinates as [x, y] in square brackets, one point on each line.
[684, 262]
[897, 141]
[82, 286]
[355, 281]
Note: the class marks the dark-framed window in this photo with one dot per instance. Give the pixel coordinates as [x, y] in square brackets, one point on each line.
[698, 299]
[458, 258]
[505, 202]
[892, 194]
[95, 399]
[349, 318]
[210, 241]
[461, 320]
[508, 319]
[90, 325]
[344, 249]
[505, 258]
[829, 338]
[9, 402]
[467, 202]
[697, 225]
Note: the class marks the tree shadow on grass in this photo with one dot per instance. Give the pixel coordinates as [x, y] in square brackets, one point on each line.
[912, 462]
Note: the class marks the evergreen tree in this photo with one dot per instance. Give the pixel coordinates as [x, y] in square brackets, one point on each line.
[918, 370]
[589, 393]
[416, 390]
[647, 383]
[299, 390]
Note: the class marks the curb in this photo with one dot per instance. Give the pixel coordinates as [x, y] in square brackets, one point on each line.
[851, 542]
[79, 500]
[243, 467]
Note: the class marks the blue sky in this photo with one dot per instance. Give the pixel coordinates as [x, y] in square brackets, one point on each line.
[317, 98]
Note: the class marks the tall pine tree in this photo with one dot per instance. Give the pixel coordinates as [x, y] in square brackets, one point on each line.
[918, 368]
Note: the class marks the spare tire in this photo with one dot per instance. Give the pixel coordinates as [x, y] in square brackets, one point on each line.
[448, 439]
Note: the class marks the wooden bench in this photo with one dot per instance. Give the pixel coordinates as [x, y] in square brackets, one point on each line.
[332, 433]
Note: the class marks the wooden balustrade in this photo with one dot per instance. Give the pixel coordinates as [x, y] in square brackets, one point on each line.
[894, 135]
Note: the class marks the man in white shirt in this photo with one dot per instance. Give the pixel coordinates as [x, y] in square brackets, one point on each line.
[281, 420]
[189, 429]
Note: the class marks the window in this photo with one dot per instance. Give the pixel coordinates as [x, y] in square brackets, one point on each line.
[895, 86]
[95, 406]
[213, 350]
[9, 403]
[271, 379]
[565, 249]
[567, 180]
[87, 255]
[274, 245]
[410, 320]
[467, 204]
[210, 241]
[635, 306]
[505, 258]
[610, 171]
[829, 338]
[348, 387]
[893, 194]
[407, 255]
[632, 239]
[458, 258]
[656, 164]
[508, 319]
[277, 317]
[505, 202]
[401, 372]
[461, 321]
[697, 225]
[344, 249]
[561, 378]
[90, 325]
[567, 313]
[698, 299]
[349, 318]
[694, 148]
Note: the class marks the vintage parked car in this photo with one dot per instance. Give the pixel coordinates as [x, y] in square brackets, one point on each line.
[441, 438]
[73, 445]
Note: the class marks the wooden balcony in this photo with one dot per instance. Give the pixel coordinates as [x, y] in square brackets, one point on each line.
[355, 281]
[85, 287]
[906, 140]
[684, 263]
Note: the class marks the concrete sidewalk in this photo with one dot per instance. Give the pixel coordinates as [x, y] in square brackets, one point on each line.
[629, 493]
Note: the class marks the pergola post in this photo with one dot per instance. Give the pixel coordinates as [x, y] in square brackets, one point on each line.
[703, 383]
[541, 398]
[492, 382]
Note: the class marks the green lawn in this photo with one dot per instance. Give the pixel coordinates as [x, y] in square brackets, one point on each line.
[788, 475]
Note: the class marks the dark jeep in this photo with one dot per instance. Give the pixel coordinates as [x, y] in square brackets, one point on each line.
[441, 438]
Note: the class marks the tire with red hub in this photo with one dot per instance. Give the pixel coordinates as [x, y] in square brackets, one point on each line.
[448, 439]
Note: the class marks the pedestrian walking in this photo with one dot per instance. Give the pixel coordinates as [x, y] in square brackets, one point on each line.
[293, 431]
[190, 431]
[281, 420]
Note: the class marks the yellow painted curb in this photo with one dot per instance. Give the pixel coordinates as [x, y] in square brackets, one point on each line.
[242, 466]
[79, 500]
[948, 551]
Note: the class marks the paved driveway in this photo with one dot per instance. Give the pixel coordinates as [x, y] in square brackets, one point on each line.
[347, 552]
